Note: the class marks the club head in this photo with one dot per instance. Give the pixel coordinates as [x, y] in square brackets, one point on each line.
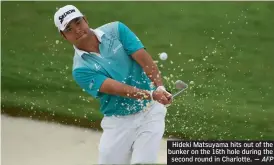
[179, 84]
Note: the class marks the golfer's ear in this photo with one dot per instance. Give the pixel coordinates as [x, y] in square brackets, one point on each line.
[85, 18]
[63, 35]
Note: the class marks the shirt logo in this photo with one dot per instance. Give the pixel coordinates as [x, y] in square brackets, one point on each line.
[97, 67]
[117, 48]
[62, 17]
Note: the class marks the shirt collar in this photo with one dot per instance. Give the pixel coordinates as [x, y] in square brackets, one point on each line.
[99, 34]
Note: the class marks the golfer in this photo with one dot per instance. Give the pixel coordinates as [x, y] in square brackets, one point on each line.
[111, 64]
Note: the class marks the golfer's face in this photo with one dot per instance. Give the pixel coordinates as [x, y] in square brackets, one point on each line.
[77, 30]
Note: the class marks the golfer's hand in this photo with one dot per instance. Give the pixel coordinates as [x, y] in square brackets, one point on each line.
[168, 95]
[162, 97]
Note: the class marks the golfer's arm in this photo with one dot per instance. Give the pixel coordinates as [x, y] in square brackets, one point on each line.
[150, 68]
[114, 87]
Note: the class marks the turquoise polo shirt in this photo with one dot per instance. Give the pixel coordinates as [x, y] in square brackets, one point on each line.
[90, 70]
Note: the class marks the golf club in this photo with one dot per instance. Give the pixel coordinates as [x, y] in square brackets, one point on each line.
[179, 84]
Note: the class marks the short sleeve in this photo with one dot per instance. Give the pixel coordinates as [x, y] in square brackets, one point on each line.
[129, 40]
[89, 80]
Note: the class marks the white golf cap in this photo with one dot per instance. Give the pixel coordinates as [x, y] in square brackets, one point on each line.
[64, 15]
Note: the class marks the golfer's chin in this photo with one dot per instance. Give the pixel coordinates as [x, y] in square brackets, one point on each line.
[83, 37]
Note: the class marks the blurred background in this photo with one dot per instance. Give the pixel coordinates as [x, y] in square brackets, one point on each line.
[225, 48]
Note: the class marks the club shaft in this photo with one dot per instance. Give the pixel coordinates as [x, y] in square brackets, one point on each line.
[176, 94]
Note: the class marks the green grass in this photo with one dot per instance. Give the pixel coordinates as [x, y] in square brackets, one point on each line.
[226, 48]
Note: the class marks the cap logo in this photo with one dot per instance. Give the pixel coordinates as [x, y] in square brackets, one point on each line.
[62, 17]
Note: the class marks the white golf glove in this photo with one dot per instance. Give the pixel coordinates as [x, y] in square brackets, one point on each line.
[159, 88]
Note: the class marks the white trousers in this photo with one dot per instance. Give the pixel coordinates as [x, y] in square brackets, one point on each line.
[133, 139]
